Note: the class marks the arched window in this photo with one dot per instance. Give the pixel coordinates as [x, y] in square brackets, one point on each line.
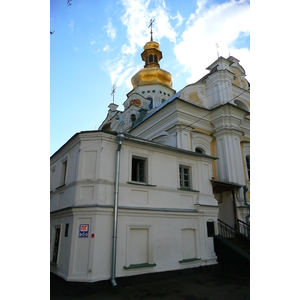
[151, 103]
[199, 150]
[248, 165]
[155, 58]
[150, 58]
[241, 105]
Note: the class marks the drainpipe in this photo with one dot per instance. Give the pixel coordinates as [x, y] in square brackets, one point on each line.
[234, 211]
[245, 188]
[116, 199]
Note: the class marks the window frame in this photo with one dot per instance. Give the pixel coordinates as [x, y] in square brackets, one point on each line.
[128, 262]
[141, 165]
[55, 228]
[63, 172]
[247, 158]
[181, 182]
[199, 150]
[52, 178]
[210, 227]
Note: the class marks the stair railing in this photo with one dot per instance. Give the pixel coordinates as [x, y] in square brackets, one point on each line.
[244, 228]
[226, 231]
[232, 235]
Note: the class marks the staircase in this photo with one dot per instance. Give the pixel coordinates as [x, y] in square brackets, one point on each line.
[232, 247]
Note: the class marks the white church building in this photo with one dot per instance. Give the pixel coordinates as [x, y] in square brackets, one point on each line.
[144, 192]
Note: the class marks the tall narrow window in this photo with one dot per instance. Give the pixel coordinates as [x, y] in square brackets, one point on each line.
[138, 169]
[210, 229]
[56, 245]
[151, 58]
[184, 177]
[151, 103]
[52, 179]
[248, 165]
[63, 178]
[67, 230]
[155, 58]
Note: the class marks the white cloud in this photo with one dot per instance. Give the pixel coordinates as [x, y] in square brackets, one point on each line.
[106, 48]
[220, 24]
[115, 68]
[162, 21]
[124, 76]
[179, 18]
[110, 30]
[93, 42]
[137, 19]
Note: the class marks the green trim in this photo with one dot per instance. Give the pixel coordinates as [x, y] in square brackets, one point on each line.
[136, 266]
[189, 260]
[140, 183]
[188, 190]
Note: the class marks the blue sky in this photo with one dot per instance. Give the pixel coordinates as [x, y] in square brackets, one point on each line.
[96, 44]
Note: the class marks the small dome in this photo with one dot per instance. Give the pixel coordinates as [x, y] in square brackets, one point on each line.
[151, 45]
[152, 73]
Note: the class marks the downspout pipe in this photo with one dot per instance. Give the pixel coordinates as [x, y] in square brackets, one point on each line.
[115, 223]
[245, 188]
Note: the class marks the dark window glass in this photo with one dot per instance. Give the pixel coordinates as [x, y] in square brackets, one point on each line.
[155, 58]
[151, 103]
[248, 165]
[210, 229]
[56, 244]
[199, 150]
[138, 169]
[67, 230]
[150, 58]
[64, 172]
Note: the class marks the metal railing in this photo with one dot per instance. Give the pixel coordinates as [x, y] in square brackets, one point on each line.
[240, 240]
[244, 228]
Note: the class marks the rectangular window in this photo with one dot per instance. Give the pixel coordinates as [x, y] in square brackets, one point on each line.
[248, 165]
[63, 178]
[185, 177]
[52, 179]
[67, 230]
[56, 245]
[138, 171]
[210, 229]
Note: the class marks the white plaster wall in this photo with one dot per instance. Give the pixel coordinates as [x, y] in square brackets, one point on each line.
[90, 258]
[62, 268]
[160, 209]
[226, 212]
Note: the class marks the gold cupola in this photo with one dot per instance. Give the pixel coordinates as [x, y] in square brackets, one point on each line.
[152, 73]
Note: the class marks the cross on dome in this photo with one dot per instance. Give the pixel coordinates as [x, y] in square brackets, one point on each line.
[151, 22]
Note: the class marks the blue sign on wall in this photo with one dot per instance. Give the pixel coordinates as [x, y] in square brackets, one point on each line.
[84, 230]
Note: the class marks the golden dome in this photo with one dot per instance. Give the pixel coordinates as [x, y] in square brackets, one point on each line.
[154, 75]
[151, 73]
